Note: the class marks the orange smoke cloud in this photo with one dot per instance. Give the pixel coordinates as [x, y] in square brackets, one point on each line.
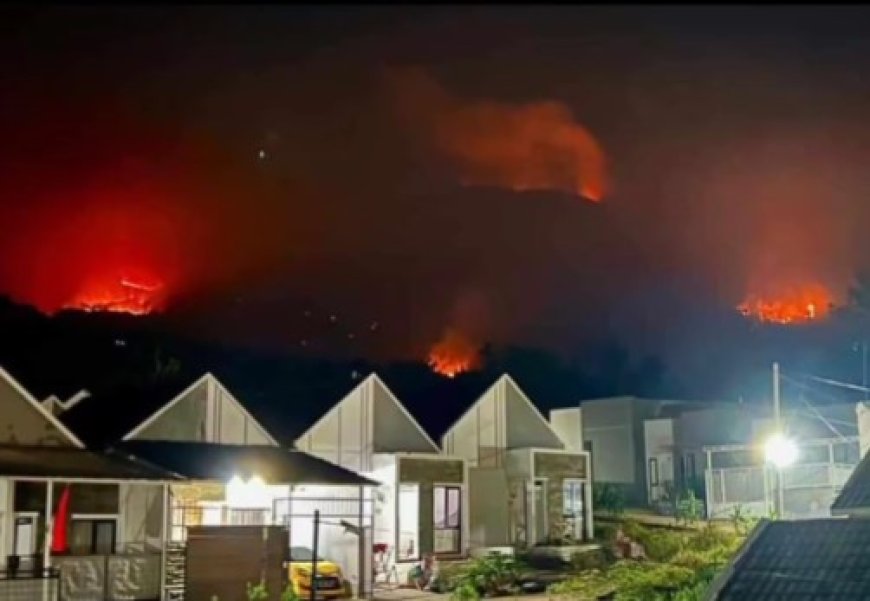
[521, 147]
[453, 354]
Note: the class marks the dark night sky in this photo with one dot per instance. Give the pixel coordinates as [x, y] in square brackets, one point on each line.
[736, 141]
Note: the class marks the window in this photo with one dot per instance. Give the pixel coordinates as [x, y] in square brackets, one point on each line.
[653, 471]
[92, 536]
[447, 518]
[409, 522]
[572, 498]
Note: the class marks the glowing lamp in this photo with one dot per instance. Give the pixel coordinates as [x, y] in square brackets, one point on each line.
[780, 451]
[254, 493]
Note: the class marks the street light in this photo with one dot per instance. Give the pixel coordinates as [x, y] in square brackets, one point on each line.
[780, 451]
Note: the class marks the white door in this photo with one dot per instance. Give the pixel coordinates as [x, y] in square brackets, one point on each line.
[25, 535]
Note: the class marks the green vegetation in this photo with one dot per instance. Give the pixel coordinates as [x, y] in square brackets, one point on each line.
[257, 592]
[680, 566]
[492, 575]
[608, 498]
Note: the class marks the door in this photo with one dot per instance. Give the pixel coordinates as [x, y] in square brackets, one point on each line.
[25, 535]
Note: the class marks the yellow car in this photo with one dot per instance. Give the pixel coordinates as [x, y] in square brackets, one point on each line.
[330, 580]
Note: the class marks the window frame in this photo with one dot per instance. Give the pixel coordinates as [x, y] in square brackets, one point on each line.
[457, 528]
[96, 519]
[399, 524]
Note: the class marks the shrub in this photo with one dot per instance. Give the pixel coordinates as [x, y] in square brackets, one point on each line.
[595, 559]
[257, 592]
[588, 586]
[289, 593]
[659, 544]
[493, 574]
[608, 498]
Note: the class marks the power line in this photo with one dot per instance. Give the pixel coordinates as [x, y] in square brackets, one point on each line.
[821, 418]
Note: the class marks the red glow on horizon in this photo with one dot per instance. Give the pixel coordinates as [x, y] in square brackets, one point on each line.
[797, 305]
[454, 354]
[135, 295]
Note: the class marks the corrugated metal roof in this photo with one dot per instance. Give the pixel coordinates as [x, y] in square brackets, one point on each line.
[810, 560]
[855, 495]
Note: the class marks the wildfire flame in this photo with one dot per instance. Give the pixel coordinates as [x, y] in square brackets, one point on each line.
[800, 304]
[453, 354]
[124, 294]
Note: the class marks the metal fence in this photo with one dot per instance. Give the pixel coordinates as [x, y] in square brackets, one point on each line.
[808, 489]
[29, 585]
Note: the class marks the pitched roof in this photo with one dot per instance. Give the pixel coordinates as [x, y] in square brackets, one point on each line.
[34, 402]
[436, 402]
[855, 496]
[71, 462]
[814, 560]
[218, 462]
[110, 413]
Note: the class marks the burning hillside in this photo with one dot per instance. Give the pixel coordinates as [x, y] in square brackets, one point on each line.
[122, 294]
[796, 305]
[453, 354]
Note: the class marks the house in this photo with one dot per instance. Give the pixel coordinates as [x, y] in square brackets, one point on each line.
[421, 504]
[200, 430]
[115, 502]
[526, 487]
[808, 559]
[612, 431]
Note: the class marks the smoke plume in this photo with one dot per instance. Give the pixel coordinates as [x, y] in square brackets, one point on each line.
[521, 147]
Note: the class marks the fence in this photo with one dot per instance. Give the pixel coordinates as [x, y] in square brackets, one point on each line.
[29, 585]
[808, 489]
[123, 577]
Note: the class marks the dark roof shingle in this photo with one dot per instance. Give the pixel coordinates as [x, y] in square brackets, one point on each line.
[855, 495]
[810, 560]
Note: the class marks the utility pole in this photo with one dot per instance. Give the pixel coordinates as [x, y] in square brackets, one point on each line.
[777, 419]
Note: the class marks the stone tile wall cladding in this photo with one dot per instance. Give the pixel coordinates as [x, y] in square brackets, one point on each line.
[557, 467]
[427, 473]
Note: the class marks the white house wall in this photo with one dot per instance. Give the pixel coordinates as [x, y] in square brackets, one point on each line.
[525, 426]
[568, 426]
[489, 511]
[609, 426]
[479, 436]
[206, 413]
[394, 431]
[385, 472]
[368, 420]
[343, 435]
[140, 512]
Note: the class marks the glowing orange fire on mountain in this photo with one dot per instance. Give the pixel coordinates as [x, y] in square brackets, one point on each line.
[126, 293]
[795, 305]
[453, 354]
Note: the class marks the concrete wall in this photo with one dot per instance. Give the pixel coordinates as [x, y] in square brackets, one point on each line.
[862, 415]
[608, 424]
[22, 423]
[568, 426]
[207, 413]
[186, 420]
[489, 511]
[479, 436]
[141, 515]
[348, 434]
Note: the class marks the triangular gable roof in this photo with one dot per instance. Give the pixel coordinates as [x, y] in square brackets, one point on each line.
[374, 379]
[507, 381]
[206, 378]
[25, 394]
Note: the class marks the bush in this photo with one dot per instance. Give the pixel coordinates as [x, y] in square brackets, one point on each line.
[585, 587]
[659, 544]
[595, 559]
[608, 498]
[494, 574]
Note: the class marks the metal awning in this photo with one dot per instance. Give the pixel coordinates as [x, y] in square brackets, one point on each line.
[73, 463]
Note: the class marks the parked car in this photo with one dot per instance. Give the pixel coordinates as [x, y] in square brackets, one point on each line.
[330, 583]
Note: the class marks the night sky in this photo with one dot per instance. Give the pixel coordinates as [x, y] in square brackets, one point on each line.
[546, 177]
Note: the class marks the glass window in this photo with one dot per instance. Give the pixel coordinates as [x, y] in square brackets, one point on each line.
[653, 471]
[447, 517]
[92, 536]
[409, 522]
[572, 497]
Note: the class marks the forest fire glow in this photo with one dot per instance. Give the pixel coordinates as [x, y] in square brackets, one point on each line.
[798, 305]
[124, 294]
[453, 354]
